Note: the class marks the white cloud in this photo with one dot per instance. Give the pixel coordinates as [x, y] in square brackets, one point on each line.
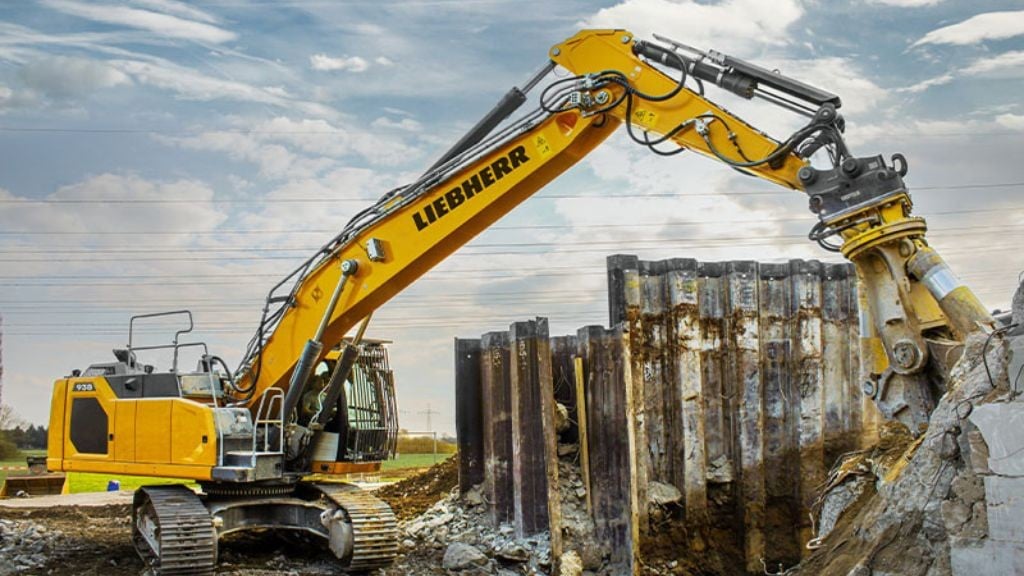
[739, 26]
[840, 76]
[68, 76]
[189, 84]
[928, 83]
[274, 160]
[384, 61]
[298, 149]
[12, 100]
[327, 63]
[178, 8]
[1012, 121]
[406, 124]
[987, 26]
[1005, 65]
[162, 24]
[907, 3]
[197, 213]
[279, 91]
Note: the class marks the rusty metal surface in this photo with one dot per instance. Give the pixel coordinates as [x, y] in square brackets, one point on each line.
[531, 379]
[496, 383]
[611, 484]
[469, 422]
[507, 414]
[735, 382]
[748, 375]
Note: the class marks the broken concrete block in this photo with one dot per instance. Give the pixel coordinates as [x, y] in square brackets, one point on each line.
[1005, 505]
[562, 421]
[720, 470]
[954, 515]
[570, 564]
[986, 557]
[978, 452]
[1016, 361]
[461, 556]
[1002, 426]
[663, 494]
[837, 500]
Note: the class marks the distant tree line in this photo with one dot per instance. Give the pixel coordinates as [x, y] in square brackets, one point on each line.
[31, 437]
[15, 435]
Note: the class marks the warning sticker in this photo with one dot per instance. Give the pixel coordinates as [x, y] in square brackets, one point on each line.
[542, 145]
[645, 118]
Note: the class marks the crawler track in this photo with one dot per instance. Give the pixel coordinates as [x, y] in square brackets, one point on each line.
[173, 532]
[373, 522]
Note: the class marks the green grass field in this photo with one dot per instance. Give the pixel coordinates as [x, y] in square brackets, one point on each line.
[414, 461]
[85, 482]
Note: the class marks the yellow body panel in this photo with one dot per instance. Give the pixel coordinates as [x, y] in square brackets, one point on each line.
[153, 431]
[193, 435]
[55, 436]
[139, 469]
[173, 437]
[124, 430]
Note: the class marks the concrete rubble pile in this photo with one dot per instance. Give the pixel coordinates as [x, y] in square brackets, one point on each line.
[951, 502]
[470, 545]
[466, 543]
[25, 546]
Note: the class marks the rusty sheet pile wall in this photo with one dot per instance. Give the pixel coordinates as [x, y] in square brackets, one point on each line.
[505, 420]
[736, 383]
[745, 381]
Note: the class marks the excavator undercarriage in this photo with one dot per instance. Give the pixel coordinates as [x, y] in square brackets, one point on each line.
[176, 531]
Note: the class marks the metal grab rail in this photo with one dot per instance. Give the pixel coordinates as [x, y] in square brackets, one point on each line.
[271, 402]
[174, 343]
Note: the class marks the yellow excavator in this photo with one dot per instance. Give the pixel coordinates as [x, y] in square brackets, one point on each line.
[252, 439]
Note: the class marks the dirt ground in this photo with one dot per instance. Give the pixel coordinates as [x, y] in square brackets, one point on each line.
[412, 496]
[96, 540]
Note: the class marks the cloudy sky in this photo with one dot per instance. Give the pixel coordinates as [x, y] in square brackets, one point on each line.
[157, 155]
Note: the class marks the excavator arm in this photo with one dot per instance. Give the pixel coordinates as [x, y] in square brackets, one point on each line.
[914, 311]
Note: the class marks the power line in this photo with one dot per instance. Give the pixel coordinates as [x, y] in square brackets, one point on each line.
[146, 201]
[581, 297]
[179, 232]
[237, 276]
[335, 132]
[969, 230]
[404, 294]
[312, 249]
[401, 301]
[807, 218]
[542, 272]
[676, 243]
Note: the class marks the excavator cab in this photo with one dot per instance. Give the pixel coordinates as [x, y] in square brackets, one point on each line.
[364, 423]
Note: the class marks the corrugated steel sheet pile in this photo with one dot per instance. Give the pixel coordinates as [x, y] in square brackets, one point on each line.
[708, 414]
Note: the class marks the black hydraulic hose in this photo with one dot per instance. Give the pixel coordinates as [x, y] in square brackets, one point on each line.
[740, 84]
[223, 364]
[335, 387]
